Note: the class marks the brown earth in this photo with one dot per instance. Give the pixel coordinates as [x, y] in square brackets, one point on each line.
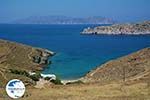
[14, 56]
[131, 68]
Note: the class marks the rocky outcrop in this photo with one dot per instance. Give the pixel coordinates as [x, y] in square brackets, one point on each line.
[131, 68]
[43, 58]
[21, 59]
[120, 29]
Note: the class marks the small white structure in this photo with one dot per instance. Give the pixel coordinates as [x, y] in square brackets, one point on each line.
[32, 73]
[51, 76]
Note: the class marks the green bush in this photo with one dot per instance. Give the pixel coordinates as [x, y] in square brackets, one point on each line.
[19, 72]
[47, 78]
[57, 81]
[35, 77]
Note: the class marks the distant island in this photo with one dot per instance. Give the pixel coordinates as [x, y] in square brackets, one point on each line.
[63, 20]
[120, 29]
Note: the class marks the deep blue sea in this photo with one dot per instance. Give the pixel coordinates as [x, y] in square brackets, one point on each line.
[75, 54]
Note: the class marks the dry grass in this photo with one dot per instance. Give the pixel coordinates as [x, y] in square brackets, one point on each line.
[114, 91]
[14, 56]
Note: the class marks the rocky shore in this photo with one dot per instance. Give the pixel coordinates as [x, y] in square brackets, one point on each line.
[16, 60]
[142, 28]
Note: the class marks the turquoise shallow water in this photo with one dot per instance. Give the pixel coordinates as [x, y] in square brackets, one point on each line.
[76, 54]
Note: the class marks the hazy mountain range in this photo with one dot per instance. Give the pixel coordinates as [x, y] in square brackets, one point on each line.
[63, 20]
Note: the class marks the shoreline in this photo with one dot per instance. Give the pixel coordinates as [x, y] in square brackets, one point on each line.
[64, 81]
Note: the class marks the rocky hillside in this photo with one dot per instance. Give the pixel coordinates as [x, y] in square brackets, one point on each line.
[118, 29]
[131, 68]
[18, 58]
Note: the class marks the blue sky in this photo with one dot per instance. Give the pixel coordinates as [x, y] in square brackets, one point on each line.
[121, 10]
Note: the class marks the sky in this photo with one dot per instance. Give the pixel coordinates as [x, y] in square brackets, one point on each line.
[119, 10]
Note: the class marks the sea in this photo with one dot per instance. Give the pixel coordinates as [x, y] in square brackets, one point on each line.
[76, 54]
